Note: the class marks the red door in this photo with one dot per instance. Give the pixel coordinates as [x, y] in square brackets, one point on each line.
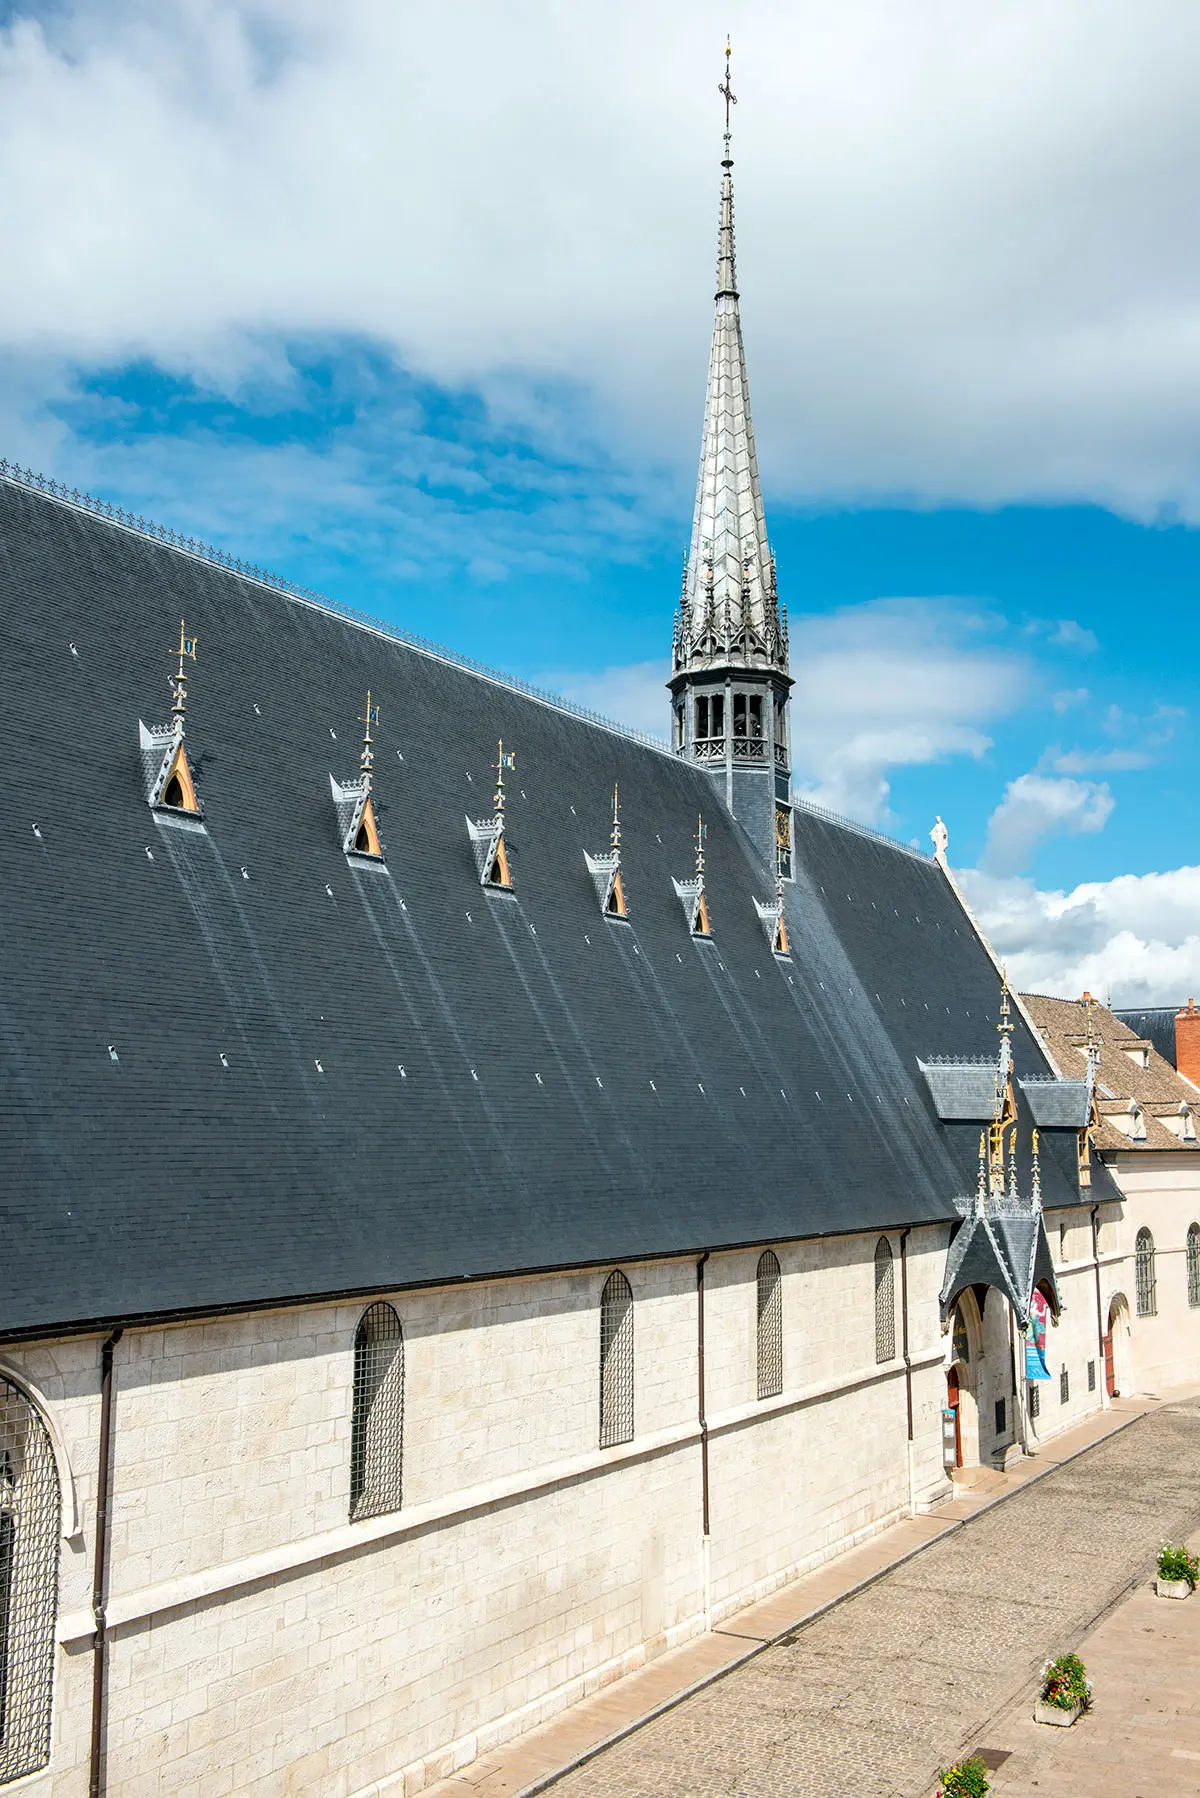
[1110, 1378]
[952, 1398]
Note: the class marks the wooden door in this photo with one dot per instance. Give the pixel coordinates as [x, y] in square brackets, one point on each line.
[953, 1404]
[1110, 1378]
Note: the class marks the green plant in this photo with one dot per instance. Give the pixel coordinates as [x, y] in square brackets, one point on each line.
[966, 1779]
[1065, 1683]
[1174, 1562]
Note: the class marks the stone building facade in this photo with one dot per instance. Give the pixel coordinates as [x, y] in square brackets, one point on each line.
[481, 1206]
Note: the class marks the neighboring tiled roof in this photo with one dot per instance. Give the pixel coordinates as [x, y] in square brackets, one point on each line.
[238, 1067]
[1157, 1090]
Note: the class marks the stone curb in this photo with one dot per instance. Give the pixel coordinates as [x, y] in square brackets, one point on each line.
[548, 1780]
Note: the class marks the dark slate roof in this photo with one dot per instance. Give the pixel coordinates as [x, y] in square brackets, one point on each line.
[1156, 1025]
[236, 1068]
[1058, 1104]
[963, 1092]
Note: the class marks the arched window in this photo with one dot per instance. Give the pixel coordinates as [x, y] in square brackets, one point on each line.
[616, 1361]
[770, 1326]
[29, 1531]
[885, 1302]
[377, 1427]
[1143, 1253]
[1193, 1264]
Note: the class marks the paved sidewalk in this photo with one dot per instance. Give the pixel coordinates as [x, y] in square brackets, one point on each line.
[1142, 1736]
[538, 1756]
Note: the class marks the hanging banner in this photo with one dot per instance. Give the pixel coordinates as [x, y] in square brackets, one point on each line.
[1035, 1341]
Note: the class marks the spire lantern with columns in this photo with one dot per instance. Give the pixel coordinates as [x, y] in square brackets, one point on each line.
[729, 680]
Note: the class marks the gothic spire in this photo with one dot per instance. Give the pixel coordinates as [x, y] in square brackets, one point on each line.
[729, 612]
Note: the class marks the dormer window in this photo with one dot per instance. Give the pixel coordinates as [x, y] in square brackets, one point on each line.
[1138, 1053]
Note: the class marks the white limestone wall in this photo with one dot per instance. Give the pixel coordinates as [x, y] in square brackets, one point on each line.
[1162, 1193]
[1073, 1342]
[261, 1643]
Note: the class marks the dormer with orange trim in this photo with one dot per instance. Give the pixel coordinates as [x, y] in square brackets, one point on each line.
[487, 834]
[165, 766]
[691, 894]
[605, 871]
[772, 919]
[354, 804]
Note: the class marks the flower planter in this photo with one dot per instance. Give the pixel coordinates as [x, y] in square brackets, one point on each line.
[1055, 1715]
[1173, 1588]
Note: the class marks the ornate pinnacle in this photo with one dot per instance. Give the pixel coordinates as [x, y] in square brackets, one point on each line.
[616, 826]
[700, 836]
[1036, 1178]
[366, 760]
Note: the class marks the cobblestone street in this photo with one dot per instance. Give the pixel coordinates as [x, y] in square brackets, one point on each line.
[869, 1699]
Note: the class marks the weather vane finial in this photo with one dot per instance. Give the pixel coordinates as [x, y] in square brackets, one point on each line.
[726, 91]
[501, 763]
[367, 759]
[187, 652]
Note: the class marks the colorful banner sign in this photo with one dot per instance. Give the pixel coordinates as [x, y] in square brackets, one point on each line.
[1035, 1341]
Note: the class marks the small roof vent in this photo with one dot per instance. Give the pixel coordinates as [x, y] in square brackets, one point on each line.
[165, 766]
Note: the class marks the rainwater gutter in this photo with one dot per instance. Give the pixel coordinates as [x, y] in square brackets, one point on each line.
[908, 1392]
[705, 1548]
[100, 1564]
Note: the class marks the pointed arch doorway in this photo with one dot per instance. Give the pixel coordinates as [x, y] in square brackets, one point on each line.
[1118, 1374]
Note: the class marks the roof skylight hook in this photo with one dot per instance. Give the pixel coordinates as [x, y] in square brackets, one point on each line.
[178, 683]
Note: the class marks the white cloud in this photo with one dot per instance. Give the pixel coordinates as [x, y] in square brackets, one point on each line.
[968, 271]
[1036, 806]
[1068, 698]
[1066, 633]
[635, 696]
[1135, 936]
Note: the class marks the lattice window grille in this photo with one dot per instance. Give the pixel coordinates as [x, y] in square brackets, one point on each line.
[885, 1302]
[1035, 1399]
[1147, 1299]
[1091, 1376]
[1064, 1387]
[29, 1532]
[616, 1361]
[1193, 1265]
[1001, 1417]
[770, 1326]
[377, 1427]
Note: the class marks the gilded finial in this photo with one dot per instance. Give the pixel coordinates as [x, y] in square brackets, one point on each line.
[502, 762]
[1005, 1025]
[701, 833]
[186, 652]
[981, 1187]
[616, 823]
[366, 760]
[726, 91]
[1036, 1178]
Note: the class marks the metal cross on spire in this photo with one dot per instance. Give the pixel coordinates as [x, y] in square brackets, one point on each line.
[726, 90]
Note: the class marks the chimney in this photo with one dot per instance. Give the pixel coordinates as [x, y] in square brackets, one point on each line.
[1187, 1043]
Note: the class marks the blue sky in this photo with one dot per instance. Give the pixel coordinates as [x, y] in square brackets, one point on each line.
[332, 293]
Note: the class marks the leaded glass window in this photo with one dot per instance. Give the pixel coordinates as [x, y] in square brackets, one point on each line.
[377, 1427]
[1143, 1256]
[770, 1326]
[29, 1533]
[616, 1361]
[885, 1302]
